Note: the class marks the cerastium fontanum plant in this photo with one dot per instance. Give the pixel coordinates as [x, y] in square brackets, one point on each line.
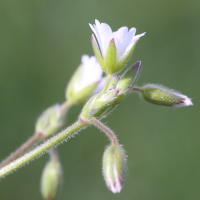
[101, 96]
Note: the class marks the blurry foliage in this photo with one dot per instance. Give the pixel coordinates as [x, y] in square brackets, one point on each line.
[41, 44]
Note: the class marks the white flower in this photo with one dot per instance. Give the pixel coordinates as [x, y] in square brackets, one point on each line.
[100, 86]
[85, 80]
[91, 72]
[123, 40]
[184, 100]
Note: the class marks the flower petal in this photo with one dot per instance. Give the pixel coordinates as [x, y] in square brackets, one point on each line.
[105, 35]
[91, 72]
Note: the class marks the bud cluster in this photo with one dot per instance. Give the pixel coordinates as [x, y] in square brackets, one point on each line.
[119, 87]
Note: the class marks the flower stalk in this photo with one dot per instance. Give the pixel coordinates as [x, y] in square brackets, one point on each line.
[111, 135]
[107, 83]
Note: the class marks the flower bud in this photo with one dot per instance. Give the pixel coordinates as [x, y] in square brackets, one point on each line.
[113, 49]
[114, 167]
[113, 82]
[122, 95]
[129, 77]
[50, 181]
[105, 99]
[84, 81]
[163, 96]
[50, 121]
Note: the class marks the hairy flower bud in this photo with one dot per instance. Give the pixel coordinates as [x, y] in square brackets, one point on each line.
[50, 121]
[163, 96]
[85, 80]
[105, 99]
[50, 181]
[114, 167]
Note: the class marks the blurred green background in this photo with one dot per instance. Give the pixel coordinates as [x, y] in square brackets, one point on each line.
[41, 44]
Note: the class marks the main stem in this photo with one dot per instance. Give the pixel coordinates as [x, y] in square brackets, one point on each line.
[27, 145]
[57, 139]
[107, 82]
[105, 129]
[31, 141]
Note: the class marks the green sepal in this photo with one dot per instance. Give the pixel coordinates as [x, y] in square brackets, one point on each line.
[105, 99]
[110, 59]
[87, 109]
[113, 82]
[81, 96]
[129, 77]
[159, 96]
[102, 113]
[122, 95]
[97, 52]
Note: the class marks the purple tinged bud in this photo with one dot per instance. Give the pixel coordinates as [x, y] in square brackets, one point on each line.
[114, 167]
[163, 96]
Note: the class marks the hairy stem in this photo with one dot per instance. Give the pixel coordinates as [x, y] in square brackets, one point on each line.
[55, 140]
[137, 89]
[105, 129]
[27, 145]
[107, 82]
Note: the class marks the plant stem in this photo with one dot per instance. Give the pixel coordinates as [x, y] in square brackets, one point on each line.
[107, 82]
[137, 89]
[27, 145]
[65, 106]
[53, 155]
[55, 140]
[106, 130]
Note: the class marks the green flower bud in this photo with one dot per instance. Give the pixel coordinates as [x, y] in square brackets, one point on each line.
[163, 96]
[114, 167]
[113, 82]
[122, 95]
[84, 81]
[105, 99]
[129, 77]
[51, 178]
[50, 121]
[98, 104]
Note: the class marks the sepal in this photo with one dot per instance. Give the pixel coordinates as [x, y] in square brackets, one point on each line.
[129, 77]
